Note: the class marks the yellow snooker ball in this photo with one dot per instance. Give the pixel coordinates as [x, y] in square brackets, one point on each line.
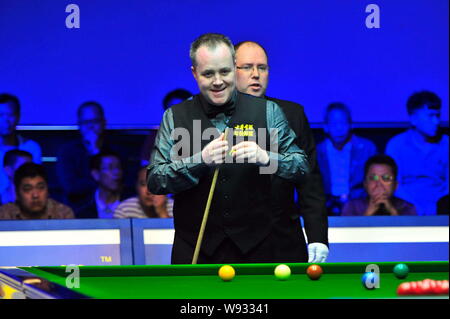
[282, 272]
[226, 273]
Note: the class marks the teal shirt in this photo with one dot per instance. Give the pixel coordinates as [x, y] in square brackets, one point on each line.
[167, 176]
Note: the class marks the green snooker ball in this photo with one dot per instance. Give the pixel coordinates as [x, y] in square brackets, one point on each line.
[282, 272]
[401, 271]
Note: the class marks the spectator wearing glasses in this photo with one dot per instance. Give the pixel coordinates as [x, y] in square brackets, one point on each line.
[380, 183]
[73, 164]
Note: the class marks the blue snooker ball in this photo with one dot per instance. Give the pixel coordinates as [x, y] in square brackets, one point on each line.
[369, 280]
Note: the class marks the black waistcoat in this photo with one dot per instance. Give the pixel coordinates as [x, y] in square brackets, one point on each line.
[240, 208]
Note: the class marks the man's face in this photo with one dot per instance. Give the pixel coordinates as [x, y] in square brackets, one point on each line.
[33, 194]
[91, 121]
[145, 197]
[252, 74]
[338, 126]
[109, 177]
[426, 121]
[380, 181]
[8, 119]
[215, 73]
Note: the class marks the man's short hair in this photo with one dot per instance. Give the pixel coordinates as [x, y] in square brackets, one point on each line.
[383, 160]
[181, 94]
[28, 170]
[96, 160]
[237, 46]
[210, 40]
[340, 107]
[11, 156]
[423, 98]
[91, 104]
[6, 98]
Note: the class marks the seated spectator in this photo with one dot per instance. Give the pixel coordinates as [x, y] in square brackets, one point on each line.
[171, 98]
[421, 154]
[9, 139]
[443, 205]
[106, 170]
[144, 205]
[33, 200]
[380, 183]
[11, 162]
[73, 165]
[341, 157]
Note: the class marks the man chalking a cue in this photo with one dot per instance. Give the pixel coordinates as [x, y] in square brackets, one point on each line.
[252, 77]
[239, 224]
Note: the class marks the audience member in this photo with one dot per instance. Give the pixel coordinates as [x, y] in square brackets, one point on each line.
[421, 154]
[145, 204]
[341, 157]
[443, 206]
[11, 162]
[380, 183]
[9, 138]
[171, 98]
[33, 200]
[73, 164]
[106, 170]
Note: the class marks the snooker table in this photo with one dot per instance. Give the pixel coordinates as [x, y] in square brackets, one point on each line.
[252, 281]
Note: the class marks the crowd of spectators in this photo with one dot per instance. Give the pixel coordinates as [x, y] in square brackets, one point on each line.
[409, 177]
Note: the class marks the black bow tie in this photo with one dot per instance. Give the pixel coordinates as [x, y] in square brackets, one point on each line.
[212, 110]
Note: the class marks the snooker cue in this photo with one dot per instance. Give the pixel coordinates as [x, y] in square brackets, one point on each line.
[206, 213]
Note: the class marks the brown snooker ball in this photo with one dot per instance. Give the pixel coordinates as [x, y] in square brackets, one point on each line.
[314, 272]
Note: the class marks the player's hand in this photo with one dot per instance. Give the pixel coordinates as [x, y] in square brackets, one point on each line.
[374, 203]
[388, 205]
[214, 153]
[250, 151]
[317, 253]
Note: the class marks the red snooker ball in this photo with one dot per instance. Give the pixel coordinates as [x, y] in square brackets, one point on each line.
[404, 288]
[427, 288]
[441, 287]
[445, 287]
[314, 272]
[415, 289]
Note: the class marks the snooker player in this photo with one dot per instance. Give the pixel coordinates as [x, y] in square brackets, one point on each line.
[252, 77]
[239, 226]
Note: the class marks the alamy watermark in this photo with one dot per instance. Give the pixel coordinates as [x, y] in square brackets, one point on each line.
[73, 19]
[73, 279]
[373, 19]
[373, 281]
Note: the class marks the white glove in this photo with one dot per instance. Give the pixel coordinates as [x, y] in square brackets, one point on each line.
[250, 151]
[214, 153]
[317, 253]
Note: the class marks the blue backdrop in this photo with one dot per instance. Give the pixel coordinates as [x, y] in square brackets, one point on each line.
[129, 54]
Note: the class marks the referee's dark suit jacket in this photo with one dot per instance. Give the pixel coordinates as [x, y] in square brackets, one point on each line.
[290, 241]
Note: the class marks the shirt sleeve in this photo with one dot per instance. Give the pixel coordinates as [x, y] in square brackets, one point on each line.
[166, 173]
[292, 163]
